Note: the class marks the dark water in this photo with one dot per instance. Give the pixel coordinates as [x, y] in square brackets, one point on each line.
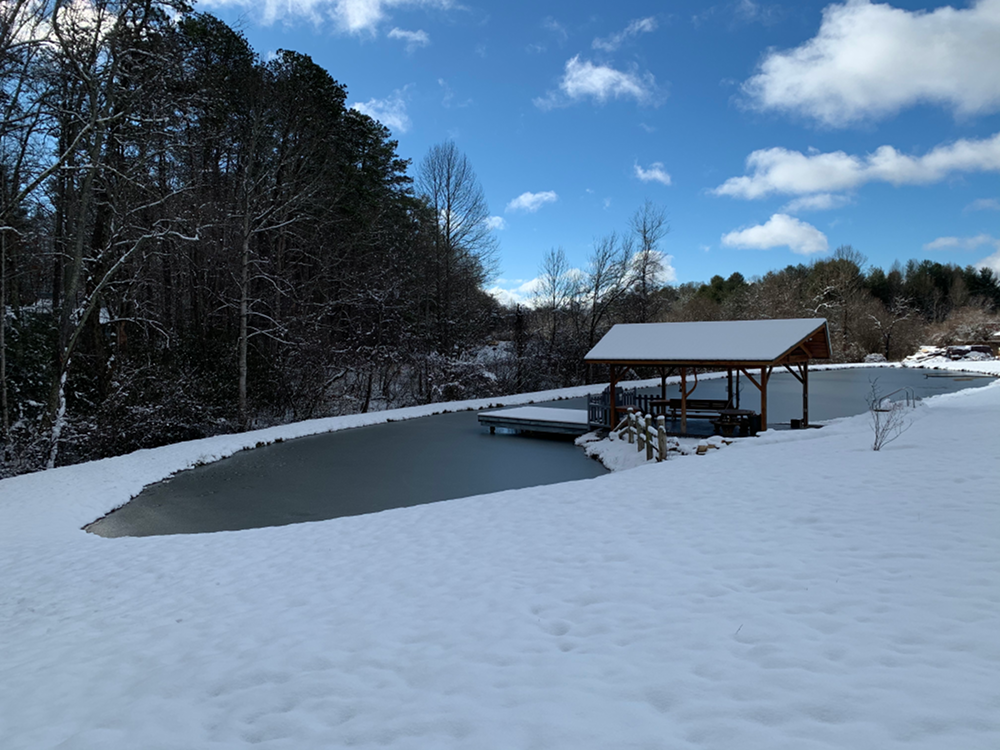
[369, 469]
[347, 473]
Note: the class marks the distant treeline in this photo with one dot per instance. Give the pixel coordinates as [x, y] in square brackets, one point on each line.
[868, 309]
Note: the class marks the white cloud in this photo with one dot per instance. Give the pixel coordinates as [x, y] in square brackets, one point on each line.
[780, 230]
[551, 24]
[872, 60]
[390, 111]
[667, 274]
[781, 171]
[585, 80]
[962, 243]
[638, 26]
[815, 202]
[496, 222]
[448, 98]
[655, 173]
[739, 13]
[748, 11]
[351, 16]
[516, 291]
[991, 261]
[414, 39]
[984, 204]
[531, 202]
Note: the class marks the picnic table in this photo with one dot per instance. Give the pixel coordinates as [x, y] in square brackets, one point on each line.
[719, 412]
[729, 420]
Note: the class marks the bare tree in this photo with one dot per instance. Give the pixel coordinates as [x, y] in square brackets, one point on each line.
[889, 320]
[26, 160]
[887, 418]
[109, 77]
[649, 226]
[839, 293]
[556, 289]
[465, 248]
[605, 280]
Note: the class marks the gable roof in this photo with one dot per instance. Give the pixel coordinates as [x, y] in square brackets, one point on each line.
[744, 342]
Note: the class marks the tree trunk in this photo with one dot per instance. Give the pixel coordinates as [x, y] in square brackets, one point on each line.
[243, 415]
[3, 345]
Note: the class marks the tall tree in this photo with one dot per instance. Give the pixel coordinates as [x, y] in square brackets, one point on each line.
[465, 247]
[111, 67]
[649, 226]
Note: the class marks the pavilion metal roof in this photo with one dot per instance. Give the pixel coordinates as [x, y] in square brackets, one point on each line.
[733, 342]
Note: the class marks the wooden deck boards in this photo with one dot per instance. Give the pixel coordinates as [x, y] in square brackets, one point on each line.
[538, 419]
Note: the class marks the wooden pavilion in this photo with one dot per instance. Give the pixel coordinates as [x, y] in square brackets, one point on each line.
[737, 346]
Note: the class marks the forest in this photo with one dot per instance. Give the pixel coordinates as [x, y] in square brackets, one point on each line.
[195, 240]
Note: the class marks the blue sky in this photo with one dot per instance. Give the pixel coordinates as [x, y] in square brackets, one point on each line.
[771, 133]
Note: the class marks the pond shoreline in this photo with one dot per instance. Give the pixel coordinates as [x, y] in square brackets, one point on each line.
[329, 475]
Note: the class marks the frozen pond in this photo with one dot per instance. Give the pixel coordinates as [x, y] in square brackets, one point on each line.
[347, 473]
[399, 464]
[832, 393]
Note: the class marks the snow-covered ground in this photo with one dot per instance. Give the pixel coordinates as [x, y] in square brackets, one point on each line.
[795, 591]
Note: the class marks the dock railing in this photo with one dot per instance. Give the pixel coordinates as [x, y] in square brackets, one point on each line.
[646, 433]
[599, 405]
[885, 402]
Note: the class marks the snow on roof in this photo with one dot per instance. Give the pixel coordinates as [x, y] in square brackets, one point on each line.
[704, 341]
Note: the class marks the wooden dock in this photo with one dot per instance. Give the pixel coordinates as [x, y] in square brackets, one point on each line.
[537, 419]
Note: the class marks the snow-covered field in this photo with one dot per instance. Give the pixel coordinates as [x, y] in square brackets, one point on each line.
[794, 591]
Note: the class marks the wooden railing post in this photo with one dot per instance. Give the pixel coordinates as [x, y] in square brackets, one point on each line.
[661, 437]
[631, 426]
[647, 426]
[640, 432]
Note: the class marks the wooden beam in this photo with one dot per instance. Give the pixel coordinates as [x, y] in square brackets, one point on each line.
[684, 401]
[765, 374]
[614, 411]
[695, 383]
[747, 373]
[794, 374]
[805, 394]
[709, 364]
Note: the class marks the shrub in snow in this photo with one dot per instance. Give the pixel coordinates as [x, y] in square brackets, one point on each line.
[888, 418]
[875, 357]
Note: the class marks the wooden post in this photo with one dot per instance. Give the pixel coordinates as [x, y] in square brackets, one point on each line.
[684, 402]
[640, 433]
[729, 384]
[648, 424]
[611, 394]
[737, 389]
[763, 397]
[661, 437]
[805, 394]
